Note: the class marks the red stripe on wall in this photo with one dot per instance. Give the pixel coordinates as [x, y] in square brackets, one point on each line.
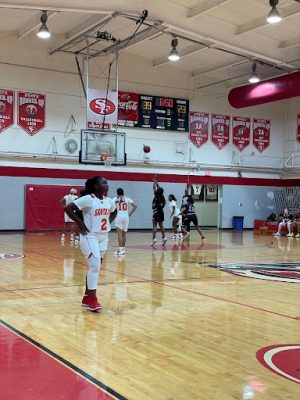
[142, 177]
[28, 373]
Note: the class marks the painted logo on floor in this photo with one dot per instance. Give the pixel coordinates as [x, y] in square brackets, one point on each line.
[9, 256]
[282, 359]
[282, 272]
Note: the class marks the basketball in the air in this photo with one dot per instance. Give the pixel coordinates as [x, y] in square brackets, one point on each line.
[147, 149]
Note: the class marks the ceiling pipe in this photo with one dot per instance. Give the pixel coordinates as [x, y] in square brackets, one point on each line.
[279, 88]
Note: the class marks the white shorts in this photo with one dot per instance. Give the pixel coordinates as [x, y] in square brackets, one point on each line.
[68, 219]
[122, 223]
[94, 244]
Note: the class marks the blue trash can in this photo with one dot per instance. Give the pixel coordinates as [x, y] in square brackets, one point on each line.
[238, 223]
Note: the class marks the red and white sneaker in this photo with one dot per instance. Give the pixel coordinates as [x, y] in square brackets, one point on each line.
[91, 302]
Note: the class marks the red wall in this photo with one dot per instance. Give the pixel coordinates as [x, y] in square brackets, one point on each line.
[42, 208]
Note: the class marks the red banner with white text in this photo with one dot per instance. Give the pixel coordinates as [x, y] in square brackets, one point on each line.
[31, 112]
[7, 100]
[261, 133]
[241, 127]
[220, 130]
[198, 132]
[128, 109]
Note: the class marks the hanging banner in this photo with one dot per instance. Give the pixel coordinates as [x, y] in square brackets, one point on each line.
[128, 109]
[31, 112]
[198, 133]
[220, 128]
[7, 98]
[102, 112]
[261, 133]
[241, 127]
[298, 128]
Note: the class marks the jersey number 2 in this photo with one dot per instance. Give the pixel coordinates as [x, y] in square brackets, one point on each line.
[104, 225]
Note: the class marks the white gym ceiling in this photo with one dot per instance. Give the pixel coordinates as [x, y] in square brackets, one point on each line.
[218, 40]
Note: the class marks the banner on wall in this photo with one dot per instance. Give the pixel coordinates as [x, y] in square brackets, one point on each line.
[7, 98]
[261, 133]
[128, 109]
[198, 133]
[31, 112]
[102, 112]
[220, 128]
[298, 128]
[241, 127]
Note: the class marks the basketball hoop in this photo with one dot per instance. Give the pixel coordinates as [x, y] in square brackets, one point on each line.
[107, 159]
[103, 156]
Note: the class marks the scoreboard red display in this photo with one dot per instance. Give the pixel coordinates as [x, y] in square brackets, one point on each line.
[163, 113]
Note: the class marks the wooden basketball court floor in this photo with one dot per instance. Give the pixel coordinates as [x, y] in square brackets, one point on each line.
[174, 324]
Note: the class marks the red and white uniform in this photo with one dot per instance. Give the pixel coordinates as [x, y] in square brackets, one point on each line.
[96, 218]
[122, 219]
[69, 198]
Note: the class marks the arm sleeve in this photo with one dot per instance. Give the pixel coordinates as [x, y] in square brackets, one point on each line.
[84, 202]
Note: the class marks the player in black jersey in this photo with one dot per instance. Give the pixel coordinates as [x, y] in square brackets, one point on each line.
[189, 215]
[158, 205]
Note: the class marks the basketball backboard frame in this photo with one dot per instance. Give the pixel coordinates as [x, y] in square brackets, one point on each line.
[96, 143]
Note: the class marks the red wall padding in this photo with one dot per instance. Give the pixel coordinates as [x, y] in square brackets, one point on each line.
[42, 209]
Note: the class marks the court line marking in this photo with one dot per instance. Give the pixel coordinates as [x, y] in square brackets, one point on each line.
[178, 288]
[65, 362]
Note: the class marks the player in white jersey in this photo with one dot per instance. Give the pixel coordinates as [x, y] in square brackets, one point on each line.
[123, 204]
[97, 214]
[68, 198]
[176, 218]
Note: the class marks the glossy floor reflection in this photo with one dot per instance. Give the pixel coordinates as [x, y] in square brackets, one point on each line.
[172, 326]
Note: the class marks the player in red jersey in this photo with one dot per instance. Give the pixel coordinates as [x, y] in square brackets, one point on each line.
[97, 214]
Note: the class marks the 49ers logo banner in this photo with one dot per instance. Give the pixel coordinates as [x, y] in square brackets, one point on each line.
[198, 133]
[220, 128]
[298, 128]
[241, 132]
[261, 134]
[128, 113]
[6, 109]
[102, 112]
[31, 112]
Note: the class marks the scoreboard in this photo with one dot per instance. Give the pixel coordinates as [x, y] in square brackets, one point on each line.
[163, 113]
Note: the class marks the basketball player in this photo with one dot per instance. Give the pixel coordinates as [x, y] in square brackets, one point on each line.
[122, 219]
[94, 228]
[287, 221]
[189, 215]
[68, 221]
[158, 205]
[176, 218]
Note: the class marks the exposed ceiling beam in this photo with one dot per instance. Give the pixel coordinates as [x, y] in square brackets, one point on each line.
[198, 73]
[195, 48]
[25, 6]
[205, 5]
[33, 24]
[242, 51]
[126, 43]
[260, 22]
[79, 36]
[295, 41]
[85, 26]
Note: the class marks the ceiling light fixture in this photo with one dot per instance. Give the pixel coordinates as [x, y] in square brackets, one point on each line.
[254, 78]
[174, 56]
[273, 16]
[43, 32]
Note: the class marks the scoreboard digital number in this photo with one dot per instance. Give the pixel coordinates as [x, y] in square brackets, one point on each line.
[163, 113]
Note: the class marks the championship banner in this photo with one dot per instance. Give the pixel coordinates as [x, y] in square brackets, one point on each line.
[198, 133]
[7, 99]
[128, 109]
[102, 113]
[241, 127]
[261, 133]
[220, 128]
[31, 112]
[298, 128]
